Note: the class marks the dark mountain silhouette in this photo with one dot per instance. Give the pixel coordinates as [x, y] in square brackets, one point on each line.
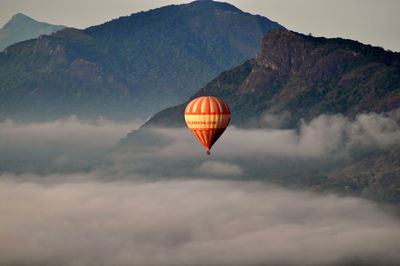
[21, 27]
[129, 67]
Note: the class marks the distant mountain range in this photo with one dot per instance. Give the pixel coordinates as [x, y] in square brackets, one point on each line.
[21, 27]
[303, 77]
[129, 67]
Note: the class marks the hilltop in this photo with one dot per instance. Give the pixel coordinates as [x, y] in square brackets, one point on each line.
[21, 27]
[129, 67]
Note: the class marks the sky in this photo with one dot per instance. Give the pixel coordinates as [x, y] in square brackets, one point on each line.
[373, 22]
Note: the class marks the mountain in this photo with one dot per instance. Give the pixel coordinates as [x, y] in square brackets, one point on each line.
[303, 77]
[299, 78]
[129, 67]
[21, 27]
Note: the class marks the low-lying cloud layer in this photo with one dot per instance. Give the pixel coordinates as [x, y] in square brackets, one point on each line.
[192, 222]
[69, 197]
[324, 136]
[218, 169]
[73, 145]
[326, 140]
[100, 132]
[62, 145]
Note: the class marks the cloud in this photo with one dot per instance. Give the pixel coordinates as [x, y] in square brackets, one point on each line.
[219, 169]
[324, 136]
[273, 121]
[68, 201]
[326, 141]
[329, 153]
[73, 146]
[186, 222]
[62, 145]
[96, 133]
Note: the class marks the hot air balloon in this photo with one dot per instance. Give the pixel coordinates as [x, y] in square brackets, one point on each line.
[207, 117]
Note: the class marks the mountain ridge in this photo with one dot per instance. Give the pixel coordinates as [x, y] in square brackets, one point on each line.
[129, 67]
[305, 76]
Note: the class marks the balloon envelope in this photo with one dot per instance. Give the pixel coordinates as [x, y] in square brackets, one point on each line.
[207, 117]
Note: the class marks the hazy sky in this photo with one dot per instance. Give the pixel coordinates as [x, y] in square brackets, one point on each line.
[369, 21]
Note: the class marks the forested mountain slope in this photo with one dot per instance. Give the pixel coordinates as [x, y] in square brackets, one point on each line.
[129, 67]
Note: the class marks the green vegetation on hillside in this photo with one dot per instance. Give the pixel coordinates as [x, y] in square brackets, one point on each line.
[129, 67]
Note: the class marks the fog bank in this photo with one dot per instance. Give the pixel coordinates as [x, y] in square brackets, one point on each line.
[191, 222]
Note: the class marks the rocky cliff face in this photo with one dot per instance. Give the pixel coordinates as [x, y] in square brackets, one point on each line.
[304, 77]
[284, 52]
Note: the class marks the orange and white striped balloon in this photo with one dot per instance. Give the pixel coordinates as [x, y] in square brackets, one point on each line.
[207, 117]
